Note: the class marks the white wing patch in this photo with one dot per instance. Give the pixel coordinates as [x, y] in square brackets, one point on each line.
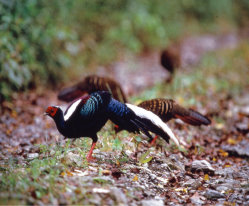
[139, 111]
[71, 109]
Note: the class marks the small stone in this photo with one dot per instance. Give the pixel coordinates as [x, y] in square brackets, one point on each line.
[152, 202]
[119, 195]
[202, 165]
[31, 156]
[222, 188]
[241, 149]
[189, 183]
[244, 184]
[95, 200]
[245, 110]
[213, 194]
[197, 199]
[72, 158]
[233, 197]
[100, 190]
[242, 127]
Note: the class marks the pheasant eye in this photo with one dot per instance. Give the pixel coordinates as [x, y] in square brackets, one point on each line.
[51, 111]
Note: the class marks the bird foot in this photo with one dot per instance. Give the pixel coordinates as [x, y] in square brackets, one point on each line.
[91, 159]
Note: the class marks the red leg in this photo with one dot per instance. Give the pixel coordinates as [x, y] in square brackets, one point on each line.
[153, 141]
[116, 129]
[89, 156]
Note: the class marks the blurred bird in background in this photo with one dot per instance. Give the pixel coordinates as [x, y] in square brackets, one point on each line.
[90, 84]
[170, 59]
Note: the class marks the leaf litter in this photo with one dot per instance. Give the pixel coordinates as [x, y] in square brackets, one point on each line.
[37, 166]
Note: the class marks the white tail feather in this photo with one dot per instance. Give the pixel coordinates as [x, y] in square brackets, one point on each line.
[154, 119]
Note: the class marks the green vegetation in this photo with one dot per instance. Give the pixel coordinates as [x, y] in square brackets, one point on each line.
[46, 42]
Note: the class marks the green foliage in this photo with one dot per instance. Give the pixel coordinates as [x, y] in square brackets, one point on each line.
[208, 10]
[46, 42]
[144, 158]
[117, 144]
[32, 46]
[100, 180]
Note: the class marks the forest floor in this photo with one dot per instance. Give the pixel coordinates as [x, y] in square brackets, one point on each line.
[38, 166]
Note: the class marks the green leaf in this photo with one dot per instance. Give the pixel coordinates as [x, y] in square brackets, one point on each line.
[138, 139]
[143, 158]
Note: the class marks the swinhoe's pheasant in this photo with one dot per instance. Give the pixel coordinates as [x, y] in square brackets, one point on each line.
[87, 115]
[90, 84]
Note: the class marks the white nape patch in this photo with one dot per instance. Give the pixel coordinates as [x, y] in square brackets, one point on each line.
[143, 113]
[71, 109]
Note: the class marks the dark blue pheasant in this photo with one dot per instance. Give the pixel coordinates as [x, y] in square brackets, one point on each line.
[86, 116]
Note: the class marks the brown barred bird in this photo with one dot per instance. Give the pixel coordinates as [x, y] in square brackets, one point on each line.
[90, 84]
[170, 59]
[168, 109]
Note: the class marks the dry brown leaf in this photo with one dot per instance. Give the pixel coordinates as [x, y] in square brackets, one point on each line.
[135, 179]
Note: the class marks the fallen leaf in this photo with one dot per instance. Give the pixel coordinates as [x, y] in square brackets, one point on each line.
[232, 141]
[135, 179]
[77, 191]
[8, 132]
[14, 114]
[63, 174]
[106, 172]
[185, 190]
[219, 126]
[69, 173]
[206, 177]
[223, 153]
[117, 163]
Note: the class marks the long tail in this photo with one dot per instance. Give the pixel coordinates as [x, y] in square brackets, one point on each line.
[149, 121]
[190, 116]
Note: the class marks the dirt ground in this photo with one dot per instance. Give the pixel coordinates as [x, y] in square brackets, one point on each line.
[210, 168]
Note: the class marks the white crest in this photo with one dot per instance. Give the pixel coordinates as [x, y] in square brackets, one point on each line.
[70, 110]
[139, 111]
